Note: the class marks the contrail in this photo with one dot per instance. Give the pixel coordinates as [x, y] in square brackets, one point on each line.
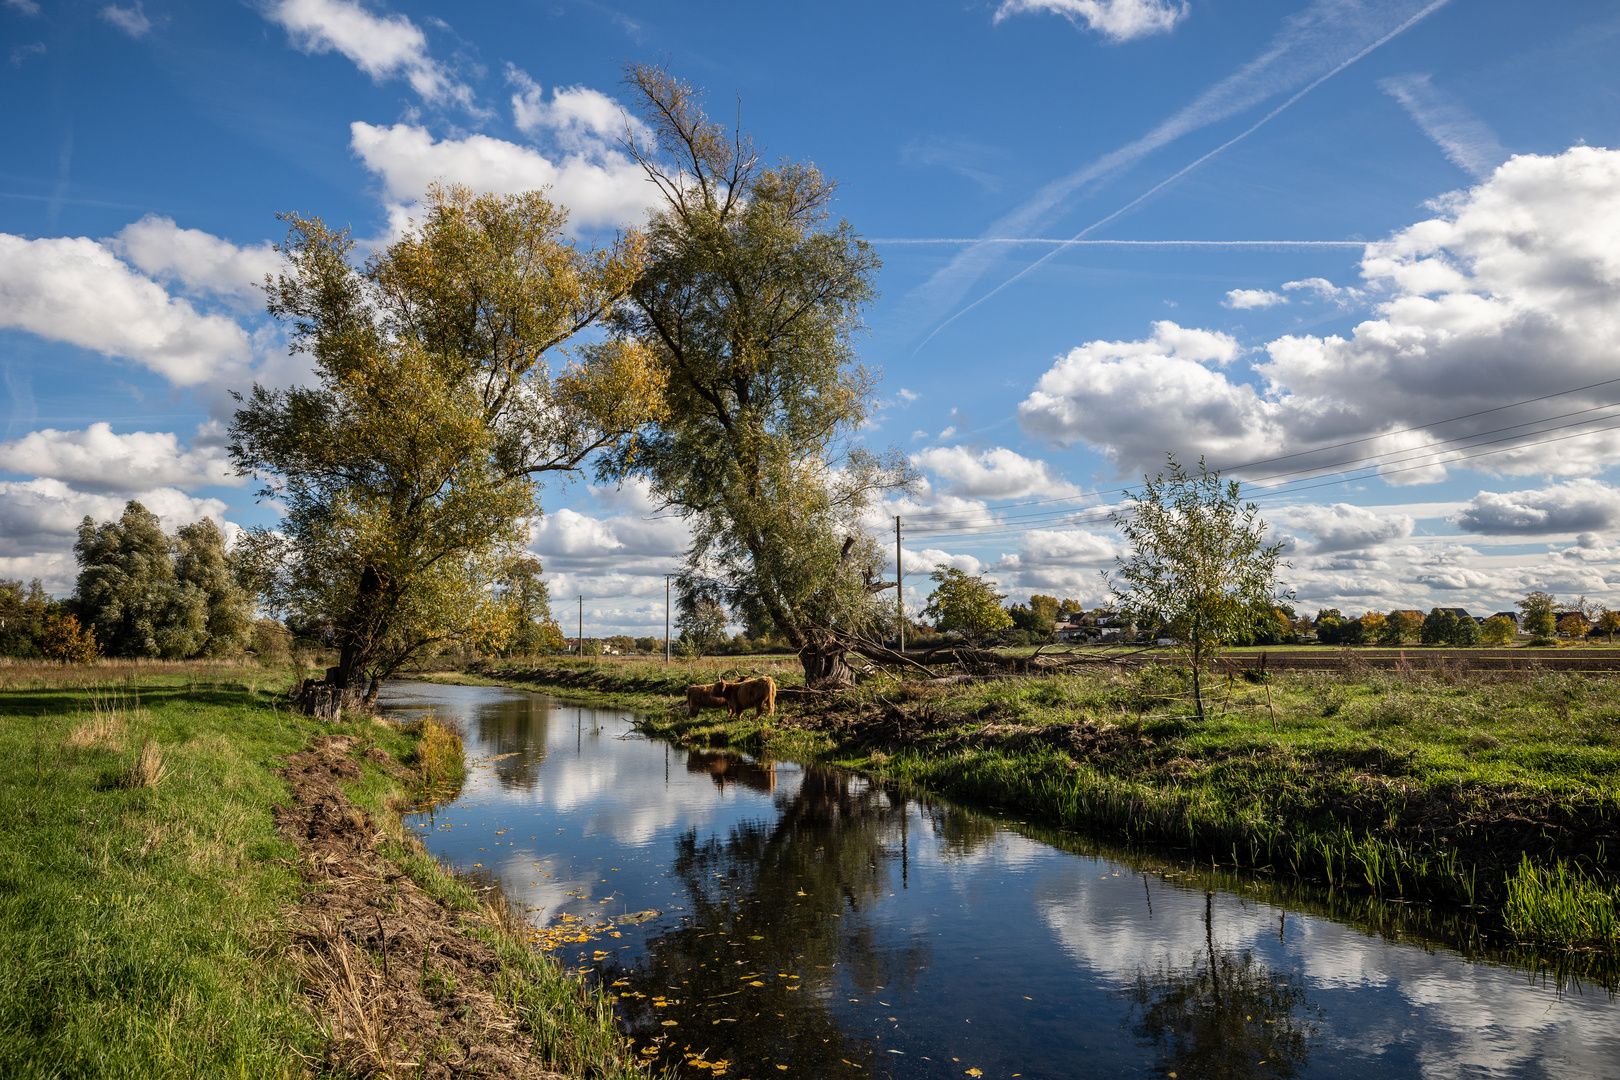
[1076, 242]
[1161, 185]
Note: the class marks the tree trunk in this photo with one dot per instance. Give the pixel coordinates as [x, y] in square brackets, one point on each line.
[825, 665]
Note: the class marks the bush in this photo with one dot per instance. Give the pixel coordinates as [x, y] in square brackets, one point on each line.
[1543, 643]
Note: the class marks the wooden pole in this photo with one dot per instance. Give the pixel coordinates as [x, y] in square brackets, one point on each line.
[899, 593]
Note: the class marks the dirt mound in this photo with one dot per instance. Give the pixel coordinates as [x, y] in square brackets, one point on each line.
[399, 977]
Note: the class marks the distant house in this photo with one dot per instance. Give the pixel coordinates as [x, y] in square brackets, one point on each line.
[1513, 615]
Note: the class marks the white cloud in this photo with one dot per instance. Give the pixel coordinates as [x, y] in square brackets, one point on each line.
[1248, 299]
[1342, 527]
[99, 460]
[23, 7]
[1067, 564]
[1578, 506]
[603, 190]
[42, 518]
[74, 290]
[200, 261]
[19, 53]
[1120, 20]
[1526, 264]
[384, 47]
[1465, 139]
[577, 118]
[997, 473]
[1326, 290]
[131, 20]
[1137, 399]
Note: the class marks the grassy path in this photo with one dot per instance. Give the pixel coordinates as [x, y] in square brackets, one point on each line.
[149, 908]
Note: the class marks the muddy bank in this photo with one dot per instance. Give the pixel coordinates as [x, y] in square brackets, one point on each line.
[425, 982]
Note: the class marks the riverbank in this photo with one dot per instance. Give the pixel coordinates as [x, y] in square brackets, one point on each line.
[195, 881]
[1494, 791]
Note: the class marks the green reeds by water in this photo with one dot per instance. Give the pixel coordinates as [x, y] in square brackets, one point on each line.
[1561, 905]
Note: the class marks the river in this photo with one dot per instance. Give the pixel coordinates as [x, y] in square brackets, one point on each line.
[787, 921]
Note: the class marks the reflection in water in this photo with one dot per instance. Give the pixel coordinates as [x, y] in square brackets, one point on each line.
[777, 925]
[803, 922]
[1223, 1014]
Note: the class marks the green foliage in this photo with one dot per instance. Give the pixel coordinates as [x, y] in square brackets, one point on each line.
[965, 604]
[701, 622]
[1443, 627]
[1538, 616]
[1608, 622]
[1197, 563]
[145, 594]
[23, 615]
[1396, 629]
[1560, 905]
[750, 304]
[407, 471]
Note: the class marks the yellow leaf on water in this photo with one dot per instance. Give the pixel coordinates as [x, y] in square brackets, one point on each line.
[975, 1072]
[668, 1023]
[756, 982]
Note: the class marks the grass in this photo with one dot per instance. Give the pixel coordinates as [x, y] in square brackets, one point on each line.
[1412, 785]
[144, 891]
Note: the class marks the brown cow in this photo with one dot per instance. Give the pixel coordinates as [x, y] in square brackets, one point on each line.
[756, 694]
[700, 696]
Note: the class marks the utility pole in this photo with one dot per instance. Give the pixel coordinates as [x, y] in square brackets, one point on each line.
[666, 616]
[580, 641]
[899, 590]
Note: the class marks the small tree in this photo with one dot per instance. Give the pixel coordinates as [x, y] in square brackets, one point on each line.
[1538, 613]
[1499, 630]
[1396, 629]
[63, 639]
[965, 604]
[1574, 625]
[1465, 635]
[1198, 562]
[1439, 628]
[1609, 622]
[702, 620]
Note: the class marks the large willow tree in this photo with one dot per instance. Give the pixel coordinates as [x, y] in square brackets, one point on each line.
[749, 303]
[444, 387]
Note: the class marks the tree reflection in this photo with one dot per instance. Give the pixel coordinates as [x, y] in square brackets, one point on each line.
[513, 733]
[1223, 1015]
[778, 930]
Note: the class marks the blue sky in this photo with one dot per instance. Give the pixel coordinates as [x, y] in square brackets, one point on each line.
[1305, 224]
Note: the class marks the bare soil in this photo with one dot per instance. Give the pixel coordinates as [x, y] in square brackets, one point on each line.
[400, 977]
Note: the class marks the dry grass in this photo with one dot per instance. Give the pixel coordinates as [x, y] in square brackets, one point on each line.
[147, 770]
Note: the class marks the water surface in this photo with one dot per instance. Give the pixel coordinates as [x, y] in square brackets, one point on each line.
[811, 923]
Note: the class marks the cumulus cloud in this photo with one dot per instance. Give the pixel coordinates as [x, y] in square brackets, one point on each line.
[604, 189]
[76, 291]
[99, 460]
[131, 20]
[1526, 264]
[200, 262]
[42, 520]
[1573, 507]
[1059, 563]
[1464, 138]
[1120, 20]
[997, 473]
[1342, 527]
[577, 118]
[1247, 299]
[382, 46]
[1137, 399]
